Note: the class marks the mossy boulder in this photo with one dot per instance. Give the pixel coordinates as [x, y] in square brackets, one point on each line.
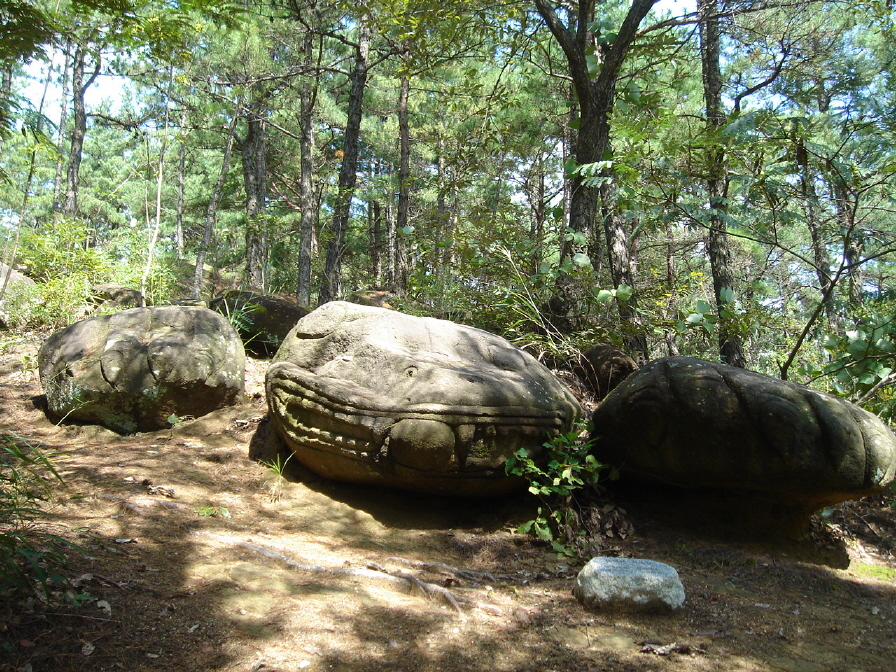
[370, 395]
[262, 321]
[134, 370]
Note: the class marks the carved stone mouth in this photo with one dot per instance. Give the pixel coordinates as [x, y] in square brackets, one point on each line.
[342, 418]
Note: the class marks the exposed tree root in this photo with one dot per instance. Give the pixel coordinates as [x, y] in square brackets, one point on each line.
[372, 574]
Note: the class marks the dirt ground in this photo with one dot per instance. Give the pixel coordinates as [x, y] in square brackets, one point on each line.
[201, 559]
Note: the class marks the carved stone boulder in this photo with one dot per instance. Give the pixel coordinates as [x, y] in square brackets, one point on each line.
[261, 320]
[133, 370]
[602, 367]
[369, 395]
[777, 449]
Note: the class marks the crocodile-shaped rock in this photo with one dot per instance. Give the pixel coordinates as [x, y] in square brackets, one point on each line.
[775, 450]
[370, 395]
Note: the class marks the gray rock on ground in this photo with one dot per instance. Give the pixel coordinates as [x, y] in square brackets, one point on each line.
[370, 395]
[262, 321]
[133, 370]
[602, 367]
[782, 449]
[629, 585]
[111, 295]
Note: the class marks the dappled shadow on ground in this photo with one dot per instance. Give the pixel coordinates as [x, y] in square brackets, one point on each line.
[201, 559]
[707, 515]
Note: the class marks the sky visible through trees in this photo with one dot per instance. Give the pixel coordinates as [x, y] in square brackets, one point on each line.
[709, 178]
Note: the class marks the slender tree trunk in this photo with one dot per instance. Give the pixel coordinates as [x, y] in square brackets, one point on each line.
[154, 236]
[819, 248]
[212, 211]
[852, 245]
[669, 310]
[623, 269]
[253, 151]
[375, 233]
[330, 287]
[730, 343]
[397, 280]
[181, 166]
[63, 120]
[306, 178]
[6, 77]
[79, 128]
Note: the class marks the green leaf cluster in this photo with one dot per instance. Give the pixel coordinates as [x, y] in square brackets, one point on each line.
[29, 556]
[561, 479]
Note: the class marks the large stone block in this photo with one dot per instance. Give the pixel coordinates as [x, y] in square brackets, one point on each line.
[371, 395]
[132, 370]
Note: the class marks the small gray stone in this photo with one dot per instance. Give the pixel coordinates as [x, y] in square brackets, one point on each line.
[628, 585]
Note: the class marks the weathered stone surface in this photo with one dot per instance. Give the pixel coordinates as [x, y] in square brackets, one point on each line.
[132, 370]
[262, 321]
[603, 367]
[18, 288]
[698, 424]
[370, 395]
[628, 585]
[116, 296]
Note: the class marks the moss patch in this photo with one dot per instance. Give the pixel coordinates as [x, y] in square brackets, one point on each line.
[878, 572]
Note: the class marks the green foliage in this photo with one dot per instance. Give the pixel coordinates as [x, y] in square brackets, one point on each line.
[862, 364]
[27, 554]
[277, 467]
[213, 512]
[561, 479]
[62, 248]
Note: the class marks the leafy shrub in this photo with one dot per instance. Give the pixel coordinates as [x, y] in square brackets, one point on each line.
[27, 554]
[862, 364]
[61, 249]
[564, 481]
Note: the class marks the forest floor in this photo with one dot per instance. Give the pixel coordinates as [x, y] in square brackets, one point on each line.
[200, 559]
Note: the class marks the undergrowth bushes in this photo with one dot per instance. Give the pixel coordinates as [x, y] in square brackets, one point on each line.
[29, 556]
[565, 481]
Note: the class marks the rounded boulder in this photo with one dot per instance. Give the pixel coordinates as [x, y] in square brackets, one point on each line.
[134, 370]
[370, 395]
[703, 425]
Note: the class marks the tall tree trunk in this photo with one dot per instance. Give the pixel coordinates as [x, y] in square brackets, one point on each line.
[595, 96]
[154, 235]
[63, 120]
[820, 253]
[623, 269]
[397, 280]
[6, 77]
[852, 244]
[375, 233]
[330, 287]
[79, 128]
[181, 166]
[730, 344]
[211, 214]
[306, 177]
[253, 151]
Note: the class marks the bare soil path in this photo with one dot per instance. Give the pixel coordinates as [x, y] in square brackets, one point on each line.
[201, 559]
